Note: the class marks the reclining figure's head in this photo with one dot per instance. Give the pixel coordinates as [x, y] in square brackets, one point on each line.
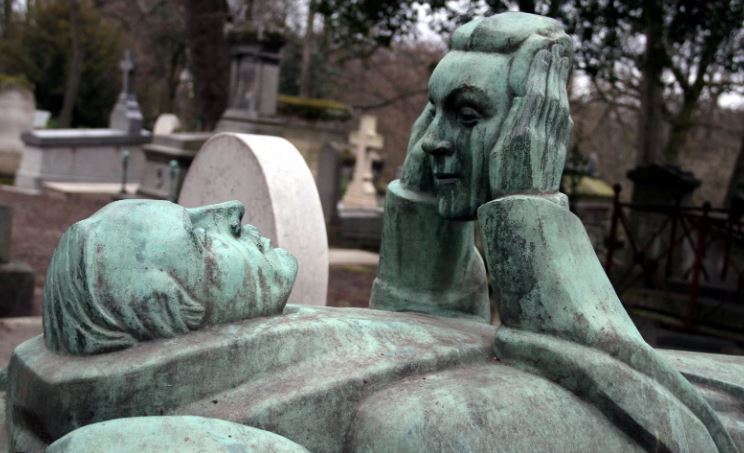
[471, 97]
[139, 270]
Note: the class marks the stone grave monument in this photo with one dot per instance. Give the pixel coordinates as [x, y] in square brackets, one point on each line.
[254, 103]
[268, 175]
[17, 107]
[361, 193]
[180, 147]
[658, 185]
[16, 278]
[164, 320]
[359, 216]
[254, 106]
[328, 178]
[88, 156]
[166, 123]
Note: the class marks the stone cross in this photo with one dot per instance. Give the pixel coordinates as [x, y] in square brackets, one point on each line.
[361, 193]
[127, 66]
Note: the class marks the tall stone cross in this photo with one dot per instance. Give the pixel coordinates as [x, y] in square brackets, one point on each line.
[361, 193]
[127, 66]
[126, 114]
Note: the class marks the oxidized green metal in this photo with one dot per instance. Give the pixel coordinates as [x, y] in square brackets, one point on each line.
[184, 434]
[139, 270]
[566, 371]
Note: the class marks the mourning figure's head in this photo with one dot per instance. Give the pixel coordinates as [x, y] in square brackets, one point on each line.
[471, 111]
[139, 270]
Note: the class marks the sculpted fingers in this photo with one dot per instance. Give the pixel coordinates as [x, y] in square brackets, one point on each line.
[535, 90]
[416, 174]
[565, 70]
[419, 127]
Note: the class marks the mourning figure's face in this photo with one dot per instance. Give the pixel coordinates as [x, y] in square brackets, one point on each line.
[468, 100]
[139, 270]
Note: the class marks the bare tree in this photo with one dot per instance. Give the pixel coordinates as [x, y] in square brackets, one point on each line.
[205, 20]
[74, 65]
[307, 50]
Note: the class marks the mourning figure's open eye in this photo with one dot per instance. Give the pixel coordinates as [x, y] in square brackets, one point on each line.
[468, 116]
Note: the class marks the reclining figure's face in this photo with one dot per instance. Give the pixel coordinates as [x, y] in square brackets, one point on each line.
[468, 100]
[139, 270]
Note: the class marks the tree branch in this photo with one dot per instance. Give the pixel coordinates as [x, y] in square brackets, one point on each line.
[389, 101]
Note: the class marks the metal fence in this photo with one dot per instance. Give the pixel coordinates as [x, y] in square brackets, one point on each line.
[695, 246]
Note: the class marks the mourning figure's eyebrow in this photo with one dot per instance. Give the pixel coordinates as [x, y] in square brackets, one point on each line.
[472, 92]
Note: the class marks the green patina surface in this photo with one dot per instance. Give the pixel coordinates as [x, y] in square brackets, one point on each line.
[185, 434]
[139, 270]
[152, 309]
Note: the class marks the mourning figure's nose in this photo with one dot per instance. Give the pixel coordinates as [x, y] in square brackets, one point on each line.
[222, 215]
[436, 147]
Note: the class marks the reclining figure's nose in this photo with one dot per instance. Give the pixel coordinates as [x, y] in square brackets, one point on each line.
[222, 215]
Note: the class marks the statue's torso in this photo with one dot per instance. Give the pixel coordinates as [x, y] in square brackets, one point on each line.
[329, 379]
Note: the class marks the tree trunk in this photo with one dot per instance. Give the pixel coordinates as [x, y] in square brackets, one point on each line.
[650, 118]
[7, 16]
[736, 183]
[307, 49]
[210, 60]
[74, 65]
[681, 125]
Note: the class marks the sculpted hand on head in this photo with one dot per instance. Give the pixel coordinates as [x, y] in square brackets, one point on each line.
[497, 121]
[139, 270]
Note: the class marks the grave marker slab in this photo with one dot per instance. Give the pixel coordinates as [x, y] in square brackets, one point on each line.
[167, 123]
[269, 176]
[181, 147]
[16, 278]
[361, 193]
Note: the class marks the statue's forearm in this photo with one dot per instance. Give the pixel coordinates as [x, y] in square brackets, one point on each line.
[427, 263]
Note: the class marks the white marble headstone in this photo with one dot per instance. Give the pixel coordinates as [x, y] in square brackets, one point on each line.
[270, 177]
[16, 116]
[167, 123]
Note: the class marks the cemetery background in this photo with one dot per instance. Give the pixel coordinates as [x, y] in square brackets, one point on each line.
[371, 66]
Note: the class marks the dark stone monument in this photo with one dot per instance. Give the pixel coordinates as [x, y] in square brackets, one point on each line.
[179, 146]
[658, 185]
[255, 106]
[328, 178]
[16, 278]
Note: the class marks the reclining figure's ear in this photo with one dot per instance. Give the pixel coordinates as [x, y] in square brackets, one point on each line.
[530, 153]
[159, 307]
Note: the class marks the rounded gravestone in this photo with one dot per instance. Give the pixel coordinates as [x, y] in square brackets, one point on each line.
[167, 123]
[270, 177]
[17, 107]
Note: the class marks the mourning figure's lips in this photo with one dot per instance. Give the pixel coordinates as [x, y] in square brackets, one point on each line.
[446, 178]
